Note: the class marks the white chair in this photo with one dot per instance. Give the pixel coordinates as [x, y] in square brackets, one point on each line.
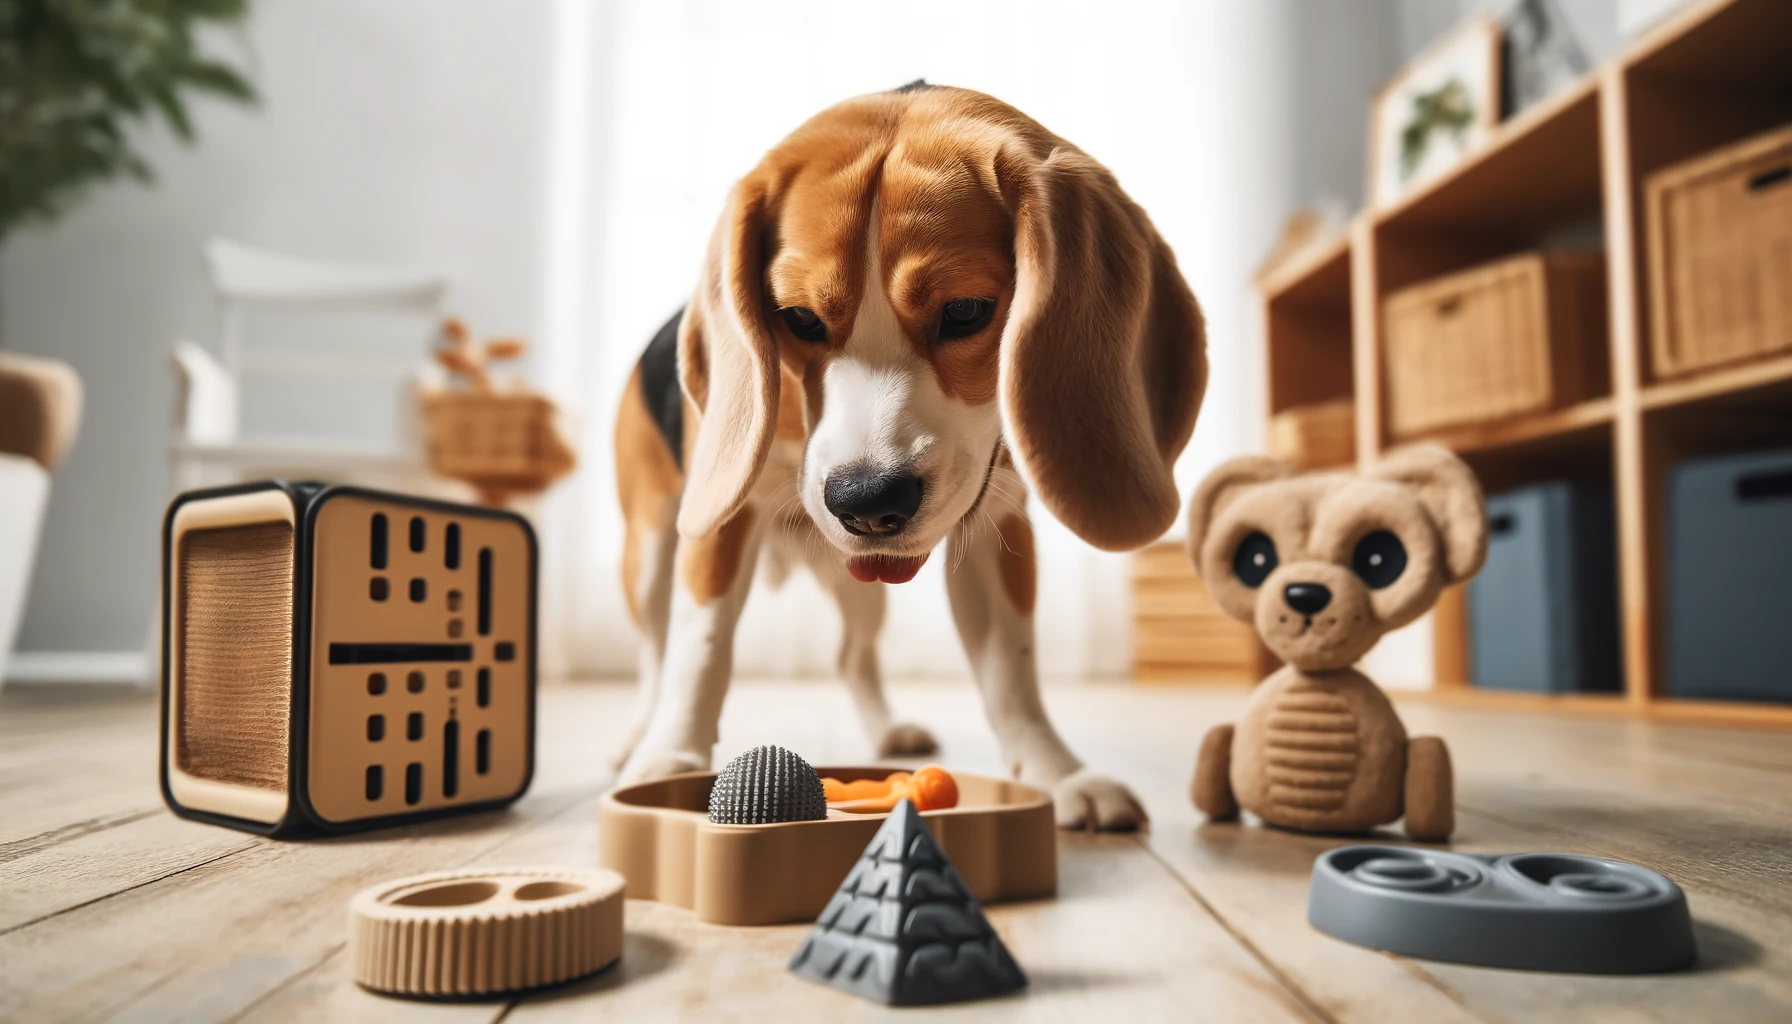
[40, 413]
[209, 448]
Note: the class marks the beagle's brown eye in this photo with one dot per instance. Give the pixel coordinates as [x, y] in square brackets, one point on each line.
[963, 317]
[803, 323]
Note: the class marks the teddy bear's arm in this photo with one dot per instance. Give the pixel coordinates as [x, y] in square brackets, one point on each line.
[1212, 787]
[1430, 790]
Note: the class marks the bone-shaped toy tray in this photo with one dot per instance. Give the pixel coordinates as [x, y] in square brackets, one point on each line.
[658, 836]
[1529, 911]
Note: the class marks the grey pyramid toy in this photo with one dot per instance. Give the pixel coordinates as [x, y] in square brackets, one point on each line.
[903, 929]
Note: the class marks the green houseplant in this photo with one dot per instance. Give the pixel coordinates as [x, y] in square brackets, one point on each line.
[77, 75]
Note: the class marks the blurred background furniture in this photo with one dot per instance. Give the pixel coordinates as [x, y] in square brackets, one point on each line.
[1179, 634]
[499, 437]
[1730, 566]
[310, 362]
[1543, 611]
[40, 413]
[1647, 158]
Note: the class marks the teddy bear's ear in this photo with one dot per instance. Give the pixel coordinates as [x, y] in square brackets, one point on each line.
[1451, 496]
[1220, 487]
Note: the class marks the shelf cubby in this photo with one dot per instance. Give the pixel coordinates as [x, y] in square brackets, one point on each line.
[1568, 173]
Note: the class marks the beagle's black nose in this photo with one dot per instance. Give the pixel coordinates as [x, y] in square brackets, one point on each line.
[1307, 598]
[867, 501]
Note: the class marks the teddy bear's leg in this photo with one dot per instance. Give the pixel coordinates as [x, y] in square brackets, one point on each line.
[1430, 790]
[1212, 787]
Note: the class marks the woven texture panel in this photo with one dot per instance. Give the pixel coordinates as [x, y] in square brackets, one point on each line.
[236, 653]
[1516, 336]
[1720, 256]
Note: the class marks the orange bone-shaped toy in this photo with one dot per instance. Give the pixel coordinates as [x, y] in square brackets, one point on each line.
[931, 788]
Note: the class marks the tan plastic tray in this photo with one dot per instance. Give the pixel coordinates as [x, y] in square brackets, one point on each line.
[658, 835]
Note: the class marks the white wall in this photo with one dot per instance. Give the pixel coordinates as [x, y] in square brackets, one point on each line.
[1216, 116]
[1595, 22]
[406, 131]
[563, 160]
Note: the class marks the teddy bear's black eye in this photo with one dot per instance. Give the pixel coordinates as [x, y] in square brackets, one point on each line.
[1379, 559]
[1254, 560]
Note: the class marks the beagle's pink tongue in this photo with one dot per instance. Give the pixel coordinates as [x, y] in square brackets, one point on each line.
[884, 569]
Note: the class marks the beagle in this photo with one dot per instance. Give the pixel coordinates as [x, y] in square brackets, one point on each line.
[920, 305]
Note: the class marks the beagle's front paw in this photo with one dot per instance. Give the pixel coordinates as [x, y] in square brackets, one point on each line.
[905, 740]
[648, 763]
[620, 754]
[1086, 800]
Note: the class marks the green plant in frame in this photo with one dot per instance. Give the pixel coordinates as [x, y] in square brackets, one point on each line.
[75, 75]
[1447, 107]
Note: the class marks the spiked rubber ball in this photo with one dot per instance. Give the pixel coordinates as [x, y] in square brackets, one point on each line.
[764, 785]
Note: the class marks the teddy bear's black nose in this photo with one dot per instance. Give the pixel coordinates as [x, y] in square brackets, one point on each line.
[1307, 598]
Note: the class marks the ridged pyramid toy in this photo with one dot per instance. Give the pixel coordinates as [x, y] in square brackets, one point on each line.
[904, 930]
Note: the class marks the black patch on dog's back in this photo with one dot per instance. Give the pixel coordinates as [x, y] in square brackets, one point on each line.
[659, 387]
[915, 86]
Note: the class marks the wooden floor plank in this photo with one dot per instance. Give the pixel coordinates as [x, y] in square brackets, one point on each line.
[1586, 786]
[48, 783]
[1254, 878]
[117, 909]
[1123, 933]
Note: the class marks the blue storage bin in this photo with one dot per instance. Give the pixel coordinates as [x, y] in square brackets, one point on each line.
[1730, 578]
[1543, 611]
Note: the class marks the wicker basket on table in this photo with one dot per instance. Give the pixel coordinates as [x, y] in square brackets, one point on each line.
[502, 442]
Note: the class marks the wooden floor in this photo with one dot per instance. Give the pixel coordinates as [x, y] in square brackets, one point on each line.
[111, 908]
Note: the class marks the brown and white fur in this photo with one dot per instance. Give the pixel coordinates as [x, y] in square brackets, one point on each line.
[1079, 379]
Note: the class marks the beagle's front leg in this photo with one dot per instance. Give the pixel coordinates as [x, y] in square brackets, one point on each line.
[990, 577]
[712, 576]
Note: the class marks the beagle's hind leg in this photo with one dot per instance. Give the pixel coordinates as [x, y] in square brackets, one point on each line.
[648, 483]
[710, 580]
[861, 620]
[647, 579]
[1211, 789]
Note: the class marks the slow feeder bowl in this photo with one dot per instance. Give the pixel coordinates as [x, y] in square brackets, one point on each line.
[658, 836]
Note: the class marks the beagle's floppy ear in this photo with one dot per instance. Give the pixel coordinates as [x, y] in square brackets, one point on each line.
[1220, 487]
[1103, 360]
[728, 368]
[1451, 496]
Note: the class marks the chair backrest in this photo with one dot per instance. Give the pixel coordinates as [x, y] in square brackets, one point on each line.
[249, 281]
[243, 276]
[206, 407]
[40, 407]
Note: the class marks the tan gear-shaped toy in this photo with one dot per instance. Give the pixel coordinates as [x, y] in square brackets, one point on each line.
[473, 932]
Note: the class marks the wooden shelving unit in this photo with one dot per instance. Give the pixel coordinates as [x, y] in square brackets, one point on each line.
[1567, 173]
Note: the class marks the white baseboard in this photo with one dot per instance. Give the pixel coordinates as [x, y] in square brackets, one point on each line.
[80, 667]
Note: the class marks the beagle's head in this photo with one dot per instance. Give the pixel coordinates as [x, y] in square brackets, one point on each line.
[944, 280]
[1324, 564]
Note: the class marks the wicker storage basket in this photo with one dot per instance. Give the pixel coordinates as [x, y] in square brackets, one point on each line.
[1521, 335]
[502, 444]
[1179, 634]
[1318, 436]
[1720, 256]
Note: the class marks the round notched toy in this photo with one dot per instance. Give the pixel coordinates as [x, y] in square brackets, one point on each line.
[1322, 565]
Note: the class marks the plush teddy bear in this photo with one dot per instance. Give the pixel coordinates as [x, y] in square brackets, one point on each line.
[1322, 565]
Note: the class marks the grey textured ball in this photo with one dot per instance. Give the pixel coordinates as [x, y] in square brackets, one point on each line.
[764, 785]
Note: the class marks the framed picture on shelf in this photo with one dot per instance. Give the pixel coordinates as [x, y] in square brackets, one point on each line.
[1439, 109]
